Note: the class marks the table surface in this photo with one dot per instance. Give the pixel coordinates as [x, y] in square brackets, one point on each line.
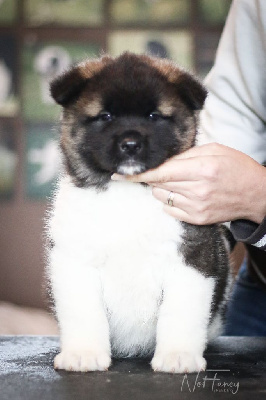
[236, 367]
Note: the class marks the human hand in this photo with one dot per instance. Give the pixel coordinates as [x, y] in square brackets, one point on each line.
[211, 183]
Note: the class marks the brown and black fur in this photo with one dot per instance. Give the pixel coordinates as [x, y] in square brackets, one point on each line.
[129, 87]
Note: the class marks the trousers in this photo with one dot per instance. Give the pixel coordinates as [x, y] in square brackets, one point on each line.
[246, 309]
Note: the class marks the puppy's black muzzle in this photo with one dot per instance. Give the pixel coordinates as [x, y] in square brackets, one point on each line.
[130, 143]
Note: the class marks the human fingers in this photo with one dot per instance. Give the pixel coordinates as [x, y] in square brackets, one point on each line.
[176, 208]
[178, 214]
[169, 197]
[186, 209]
[184, 216]
[163, 173]
[210, 149]
[171, 171]
[185, 188]
[198, 161]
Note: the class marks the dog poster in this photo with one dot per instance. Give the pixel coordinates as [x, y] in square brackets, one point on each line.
[67, 12]
[176, 45]
[213, 12]
[42, 61]
[206, 45]
[8, 160]
[143, 11]
[8, 89]
[8, 11]
[42, 160]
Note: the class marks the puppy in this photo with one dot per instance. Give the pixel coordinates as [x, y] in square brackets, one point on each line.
[127, 279]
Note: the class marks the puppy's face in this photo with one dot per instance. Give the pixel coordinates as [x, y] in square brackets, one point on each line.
[125, 115]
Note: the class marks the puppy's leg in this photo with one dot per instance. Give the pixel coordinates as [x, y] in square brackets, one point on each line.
[83, 324]
[183, 321]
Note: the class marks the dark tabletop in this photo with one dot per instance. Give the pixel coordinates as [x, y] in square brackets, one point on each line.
[236, 369]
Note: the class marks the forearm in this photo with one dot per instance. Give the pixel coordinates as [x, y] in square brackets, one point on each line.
[254, 197]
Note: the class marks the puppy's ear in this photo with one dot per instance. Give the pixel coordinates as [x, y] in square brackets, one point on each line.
[186, 86]
[66, 88]
[191, 91]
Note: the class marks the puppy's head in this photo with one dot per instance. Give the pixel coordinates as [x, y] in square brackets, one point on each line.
[126, 114]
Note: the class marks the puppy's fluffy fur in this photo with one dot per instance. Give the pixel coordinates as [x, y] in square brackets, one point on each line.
[128, 279]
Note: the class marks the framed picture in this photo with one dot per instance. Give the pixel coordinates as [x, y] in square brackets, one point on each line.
[42, 61]
[176, 45]
[8, 84]
[213, 12]
[206, 45]
[42, 160]
[8, 11]
[67, 12]
[8, 159]
[149, 11]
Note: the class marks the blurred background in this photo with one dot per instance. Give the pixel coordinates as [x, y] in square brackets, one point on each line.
[38, 40]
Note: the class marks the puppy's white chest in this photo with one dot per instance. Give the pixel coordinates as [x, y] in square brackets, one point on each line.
[135, 222]
[138, 240]
[124, 220]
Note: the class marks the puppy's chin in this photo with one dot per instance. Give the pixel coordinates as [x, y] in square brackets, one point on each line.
[131, 168]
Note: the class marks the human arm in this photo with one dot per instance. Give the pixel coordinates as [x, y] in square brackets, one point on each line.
[235, 111]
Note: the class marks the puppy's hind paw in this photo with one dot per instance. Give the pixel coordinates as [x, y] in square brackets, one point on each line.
[82, 361]
[178, 362]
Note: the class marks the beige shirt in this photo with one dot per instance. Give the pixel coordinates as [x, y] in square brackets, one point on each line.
[235, 110]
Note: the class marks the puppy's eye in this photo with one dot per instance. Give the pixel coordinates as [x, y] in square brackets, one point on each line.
[155, 116]
[105, 116]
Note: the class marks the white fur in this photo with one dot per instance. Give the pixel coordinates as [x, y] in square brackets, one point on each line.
[129, 168]
[118, 278]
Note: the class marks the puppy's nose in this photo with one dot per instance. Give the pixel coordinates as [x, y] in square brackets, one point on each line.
[131, 143]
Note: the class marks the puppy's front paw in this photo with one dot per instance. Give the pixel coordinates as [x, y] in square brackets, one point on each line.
[82, 361]
[178, 362]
